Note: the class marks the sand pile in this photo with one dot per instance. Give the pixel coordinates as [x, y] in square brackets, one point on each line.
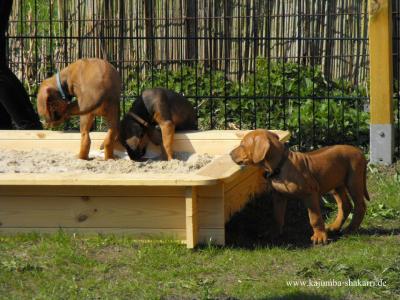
[51, 161]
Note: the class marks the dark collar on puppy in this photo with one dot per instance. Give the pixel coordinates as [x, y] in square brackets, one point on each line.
[139, 119]
[64, 95]
[277, 170]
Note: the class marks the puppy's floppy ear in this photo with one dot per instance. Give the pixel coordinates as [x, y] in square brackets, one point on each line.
[261, 146]
[42, 100]
[275, 151]
[274, 135]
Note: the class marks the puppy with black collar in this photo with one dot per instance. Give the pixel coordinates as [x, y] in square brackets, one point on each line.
[97, 87]
[155, 116]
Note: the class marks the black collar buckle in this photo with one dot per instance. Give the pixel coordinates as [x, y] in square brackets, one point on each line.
[275, 173]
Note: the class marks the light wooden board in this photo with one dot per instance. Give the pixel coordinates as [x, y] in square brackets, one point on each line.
[126, 212]
[192, 216]
[222, 168]
[89, 191]
[134, 179]
[93, 211]
[211, 211]
[131, 215]
[238, 177]
[240, 192]
[220, 135]
[212, 142]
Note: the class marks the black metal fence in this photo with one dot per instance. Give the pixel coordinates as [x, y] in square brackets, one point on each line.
[300, 65]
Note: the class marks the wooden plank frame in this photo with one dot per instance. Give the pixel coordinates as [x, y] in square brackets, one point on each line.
[192, 208]
[192, 226]
[381, 82]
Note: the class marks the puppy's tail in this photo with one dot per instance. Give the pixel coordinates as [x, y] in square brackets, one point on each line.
[366, 195]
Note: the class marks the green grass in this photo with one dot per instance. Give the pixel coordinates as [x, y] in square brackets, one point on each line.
[252, 266]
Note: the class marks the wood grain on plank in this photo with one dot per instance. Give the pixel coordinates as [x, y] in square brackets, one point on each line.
[113, 212]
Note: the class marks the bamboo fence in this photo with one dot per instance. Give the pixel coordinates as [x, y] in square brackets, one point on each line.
[227, 35]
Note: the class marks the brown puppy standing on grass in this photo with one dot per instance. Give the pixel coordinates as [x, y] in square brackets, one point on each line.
[308, 176]
[97, 86]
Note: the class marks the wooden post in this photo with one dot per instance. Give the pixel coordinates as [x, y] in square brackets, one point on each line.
[192, 228]
[381, 86]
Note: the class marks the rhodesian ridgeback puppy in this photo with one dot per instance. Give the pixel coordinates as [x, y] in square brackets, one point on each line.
[97, 86]
[156, 107]
[308, 176]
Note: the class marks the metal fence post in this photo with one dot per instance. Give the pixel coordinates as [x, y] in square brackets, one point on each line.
[381, 86]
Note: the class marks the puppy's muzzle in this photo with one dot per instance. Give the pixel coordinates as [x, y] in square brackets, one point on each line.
[236, 157]
[134, 154]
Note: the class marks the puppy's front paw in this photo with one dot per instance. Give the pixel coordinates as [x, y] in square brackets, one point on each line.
[319, 237]
[107, 157]
[83, 156]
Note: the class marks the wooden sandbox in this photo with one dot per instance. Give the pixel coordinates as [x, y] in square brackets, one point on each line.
[192, 207]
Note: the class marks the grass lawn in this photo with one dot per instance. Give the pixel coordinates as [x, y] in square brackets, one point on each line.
[252, 266]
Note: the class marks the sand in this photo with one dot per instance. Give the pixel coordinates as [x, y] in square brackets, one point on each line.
[50, 161]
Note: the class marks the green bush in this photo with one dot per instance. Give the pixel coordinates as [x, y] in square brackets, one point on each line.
[278, 96]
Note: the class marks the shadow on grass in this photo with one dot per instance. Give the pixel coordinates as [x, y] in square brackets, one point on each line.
[298, 296]
[292, 296]
[251, 227]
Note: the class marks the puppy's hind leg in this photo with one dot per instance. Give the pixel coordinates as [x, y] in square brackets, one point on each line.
[356, 190]
[112, 135]
[86, 122]
[167, 131]
[344, 209]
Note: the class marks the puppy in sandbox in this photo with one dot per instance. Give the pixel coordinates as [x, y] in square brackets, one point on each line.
[155, 116]
[97, 86]
[340, 169]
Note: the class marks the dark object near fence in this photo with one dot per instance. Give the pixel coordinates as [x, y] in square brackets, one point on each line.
[15, 107]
